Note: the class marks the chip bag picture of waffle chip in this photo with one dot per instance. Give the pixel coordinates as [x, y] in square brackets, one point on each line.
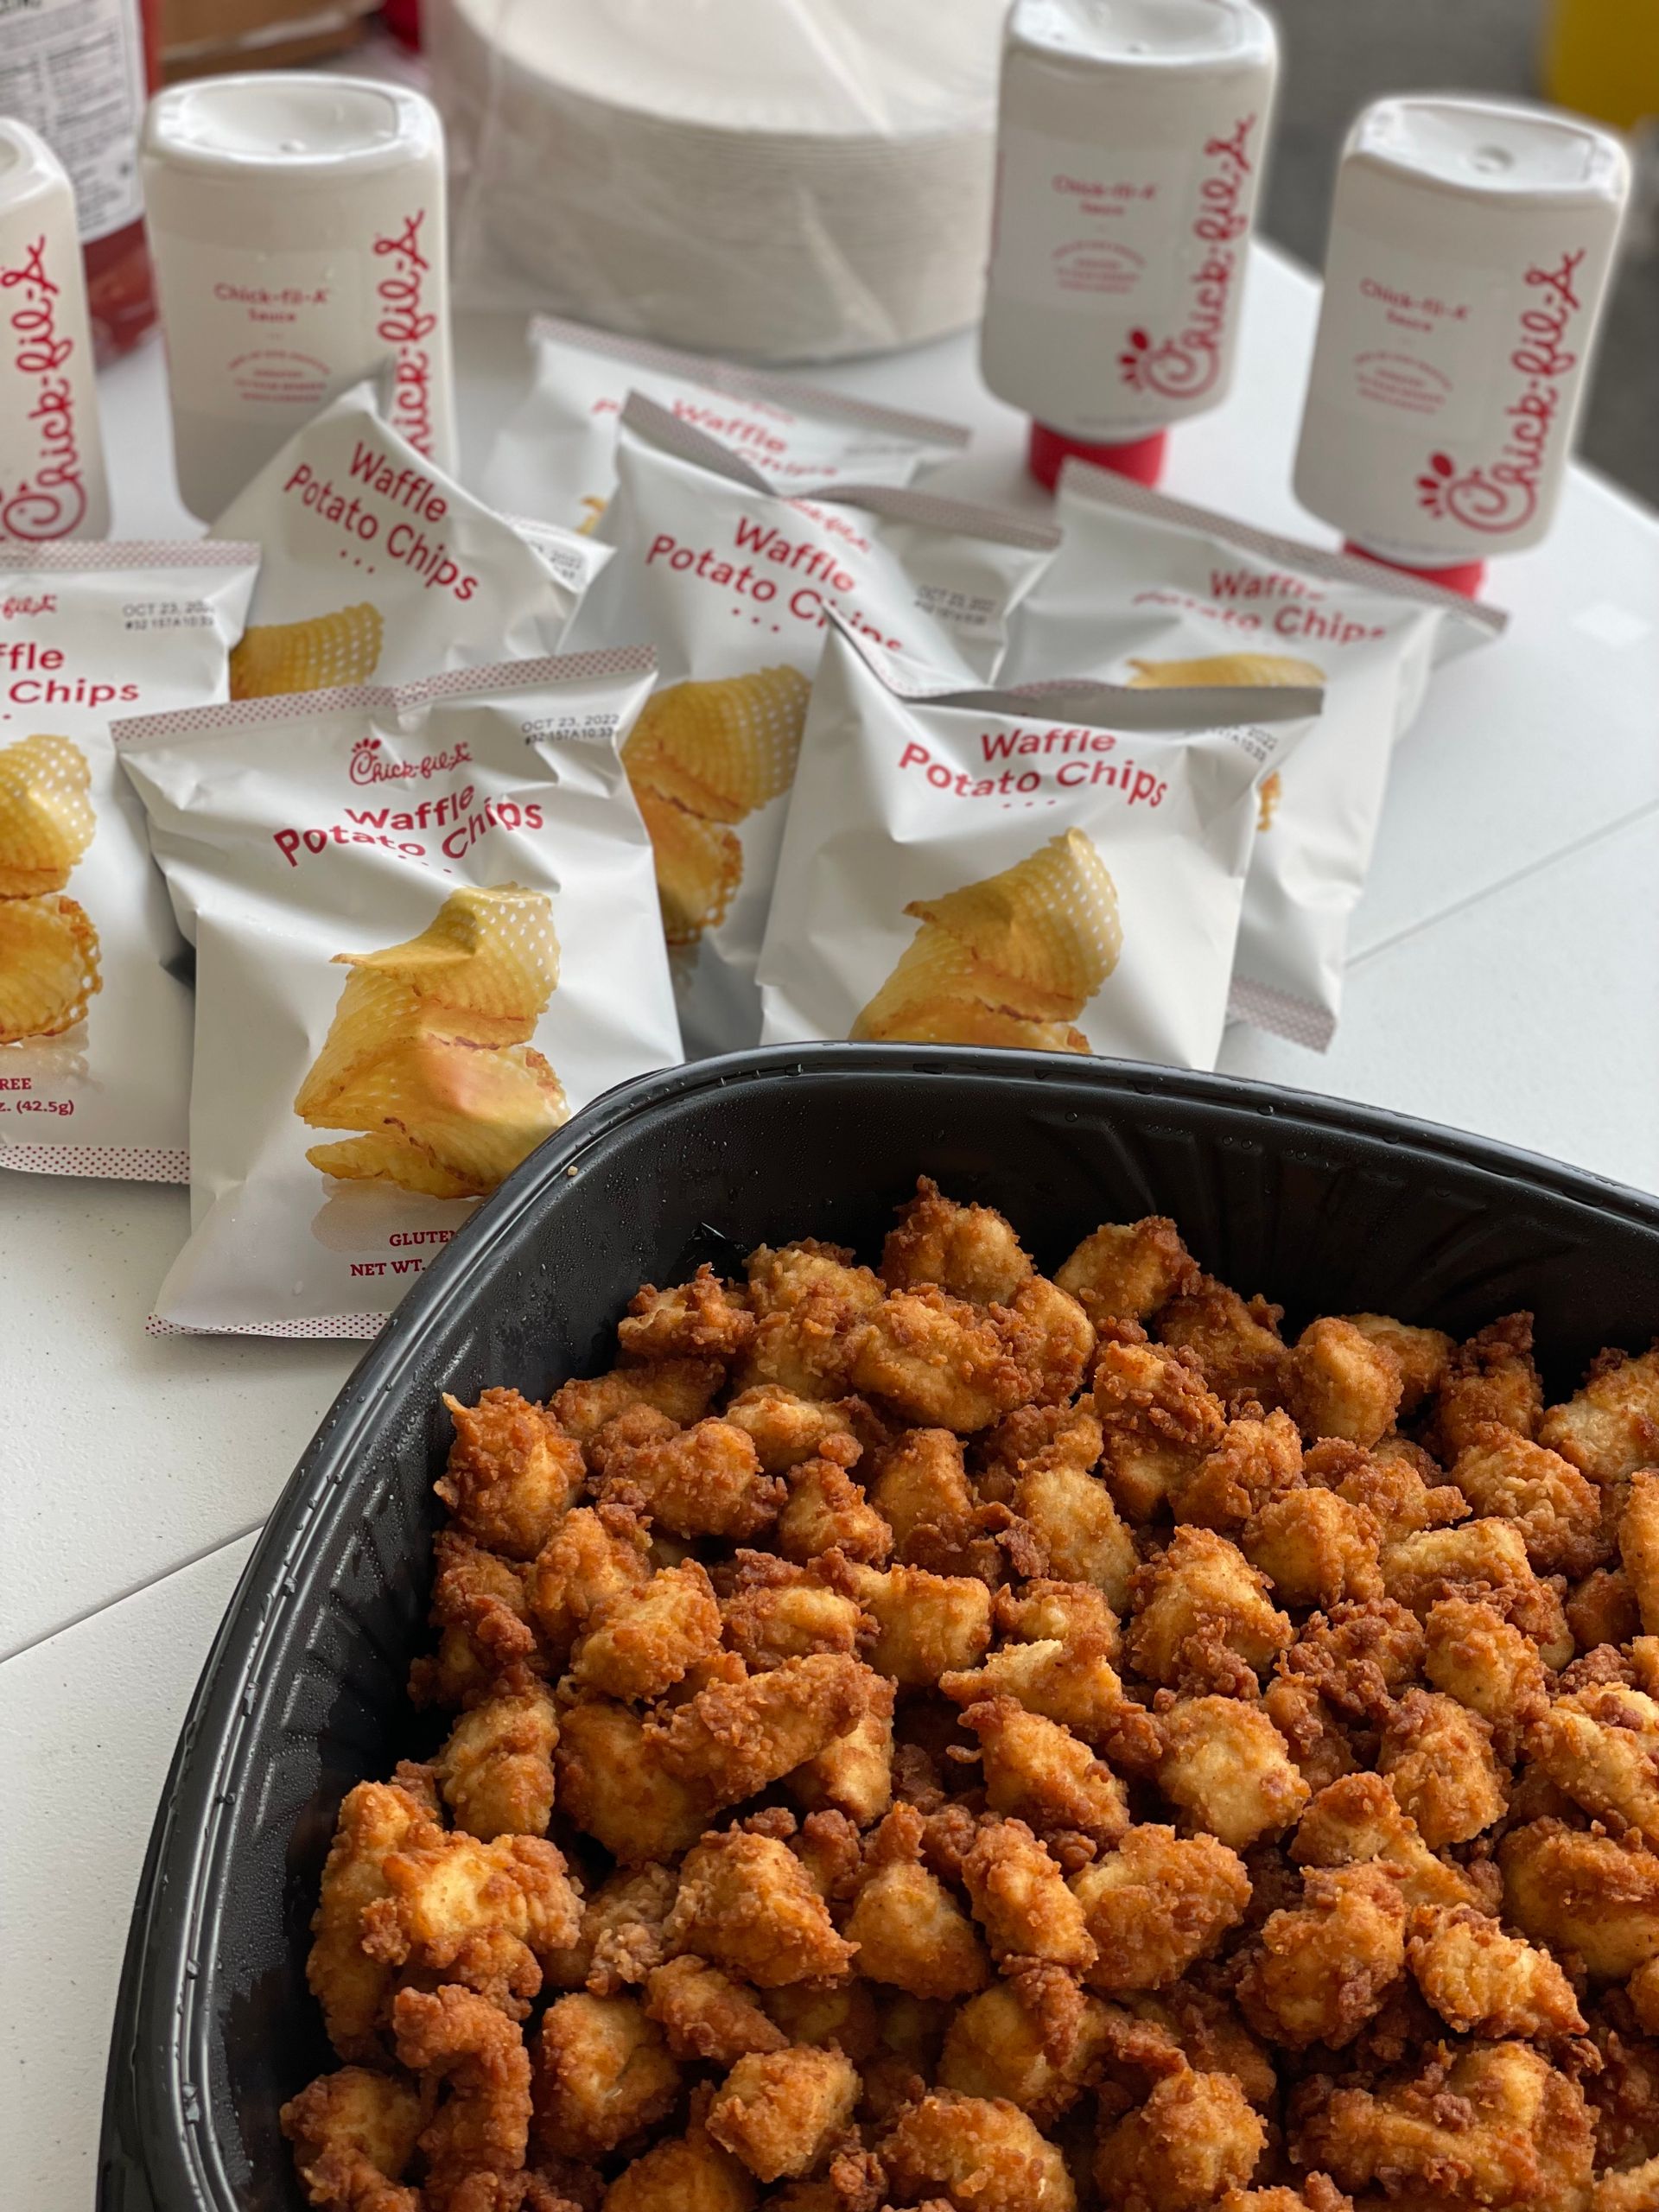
[325, 651]
[1220, 670]
[699, 866]
[721, 749]
[475, 1111]
[45, 815]
[49, 966]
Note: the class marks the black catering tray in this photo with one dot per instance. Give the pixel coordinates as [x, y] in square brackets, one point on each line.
[1327, 1206]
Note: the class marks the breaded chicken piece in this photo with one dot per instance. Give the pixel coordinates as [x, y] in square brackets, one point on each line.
[1633, 2190]
[853, 1774]
[735, 1739]
[1033, 1436]
[680, 1390]
[1228, 1770]
[1638, 1543]
[1484, 1982]
[1494, 2124]
[1342, 1382]
[781, 2111]
[1315, 1548]
[1196, 2135]
[938, 1362]
[511, 1475]
[1483, 1558]
[705, 2015]
[593, 1555]
[1557, 1510]
[483, 1915]
[1439, 1760]
[969, 1250]
[1316, 1974]
[376, 1819]
[454, 2037]
[614, 1785]
[828, 1511]
[1033, 2039]
[1157, 1904]
[1198, 1605]
[1055, 1339]
[1021, 1899]
[926, 1624]
[353, 2134]
[1236, 1342]
[1424, 1355]
[1077, 1528]
[1474, 1655]
[1071, 1681]
[907, 1929]
[1492, 1377]
[704, 1481]
[1157, 1419]
[1040, 1773]
[1611, 1427]
[775, 1611]
[1601, 1749]
[1359, 1819]
[980, 2154]
[496, 1767]
[1317, 2193]
[783, 1428]
[685, 2173]
[783, 1277]
[1359, 1657]
[812, 1305]
[704, 1318]
[1403, 1496]
[1256, 1461]
[1643, 1991]
[602, 2072]
[1602, 1609]
[1127, 1270]
[746, 1902]
[1318, 1746]
[1202, 2028]
[482, 1615]
[921, 1480]
[620, 1937]
[639, 1642]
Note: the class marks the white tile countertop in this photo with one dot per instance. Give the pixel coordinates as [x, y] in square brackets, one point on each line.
[1505, 977]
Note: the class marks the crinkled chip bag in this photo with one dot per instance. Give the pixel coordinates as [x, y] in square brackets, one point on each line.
[380, 569]
[1147, 591]
[426, 934]
[555, 454]
[1058, 867]
[95, 1013]
[732, 581]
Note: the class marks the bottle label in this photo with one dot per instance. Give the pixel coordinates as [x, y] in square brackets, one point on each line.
[73, 69]
[1087, 227]
[1420, 338]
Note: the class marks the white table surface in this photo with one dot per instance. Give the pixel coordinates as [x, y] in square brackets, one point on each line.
[1505, 977]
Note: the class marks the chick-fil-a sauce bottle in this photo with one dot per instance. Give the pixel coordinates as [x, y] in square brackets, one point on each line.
[1129, 151]
[1470, 246]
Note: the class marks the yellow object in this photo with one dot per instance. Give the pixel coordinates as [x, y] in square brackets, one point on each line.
[1248, 669]
[699, 866]
[1602, 57]
[721, 749]
[49, 966]
[1267, 801]
[319, 654]
[429, 1056]
[46, 817]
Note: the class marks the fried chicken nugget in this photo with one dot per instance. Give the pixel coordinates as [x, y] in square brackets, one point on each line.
[1317, 2193]
[1076, 1524]
[1157, 1904]
[687, 2173]
[1318, 1746]
[775, 1611]
[1600, 1747]
[853, 1774]
[1424, 1355]
[1033, 1436]
[705, 2015]
[496, 1767]
[1039, 1772]
[641, 1642]
[811, 1305]
[1439, 1760]
[1228, 1770]
[1190, 2024]
[939, 1362]
[376, 1819]
[1492, 1377]
[680, 1390]
[921, 1480]
[454, 2037]
[1472, 1654]
[746, 1902]
[706, 1481]
[1125, 1270]
[1255, 1462]
[926, 1624]
[1359, 1657]
[1199, 1598]
[735, 1739]
[593, 1555]
[1342, 1382]
[1611, 1427]
[1359, 1819]
[828, 1511]
[1602, 1609]
[1073, 1682]
[1021, 1899]
[1638, 1543]
[1318, 1973]
[1236, 1342]
[1315, 1548]
[602, 2072]
[982, 2154]
[1055, 1339]
[1483, 1558]
[1157, 1419]
[513, 1472]
[353, 2134]
[1195, 2135]
[484, 1914]
[1047, 1609]
[907, 1928]
[1484, 1982]
[1403, 1496]
[1557, 1510]
[620, 1937]
[704, 1318]
[613, 1784]
[481, 1612]
[840, 2012]
[781, 2111]
[783, 1428]
[969, 1250]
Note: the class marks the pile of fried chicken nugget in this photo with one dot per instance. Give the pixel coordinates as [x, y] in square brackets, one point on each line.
[945, 1737]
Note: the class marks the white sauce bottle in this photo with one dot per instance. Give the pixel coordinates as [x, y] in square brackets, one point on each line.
[297, 227]
[1470, 247]
[1130, 153]
[52, 479]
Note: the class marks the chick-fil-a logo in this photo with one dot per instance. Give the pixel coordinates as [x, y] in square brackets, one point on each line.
[1188, 364]
[406, 322]
[1503, 495]
[51, 498]
[370, 763]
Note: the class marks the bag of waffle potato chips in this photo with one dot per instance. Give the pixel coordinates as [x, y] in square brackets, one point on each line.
[1147, 591]
[94, 1019]
[555, 454]
[732, 581]
[1060, 868]
[426, 934]
[380, 569]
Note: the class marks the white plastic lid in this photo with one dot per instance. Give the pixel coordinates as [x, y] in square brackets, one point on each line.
[1146, 33]
[1493, 148]
[28, 164]
[312, 128]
